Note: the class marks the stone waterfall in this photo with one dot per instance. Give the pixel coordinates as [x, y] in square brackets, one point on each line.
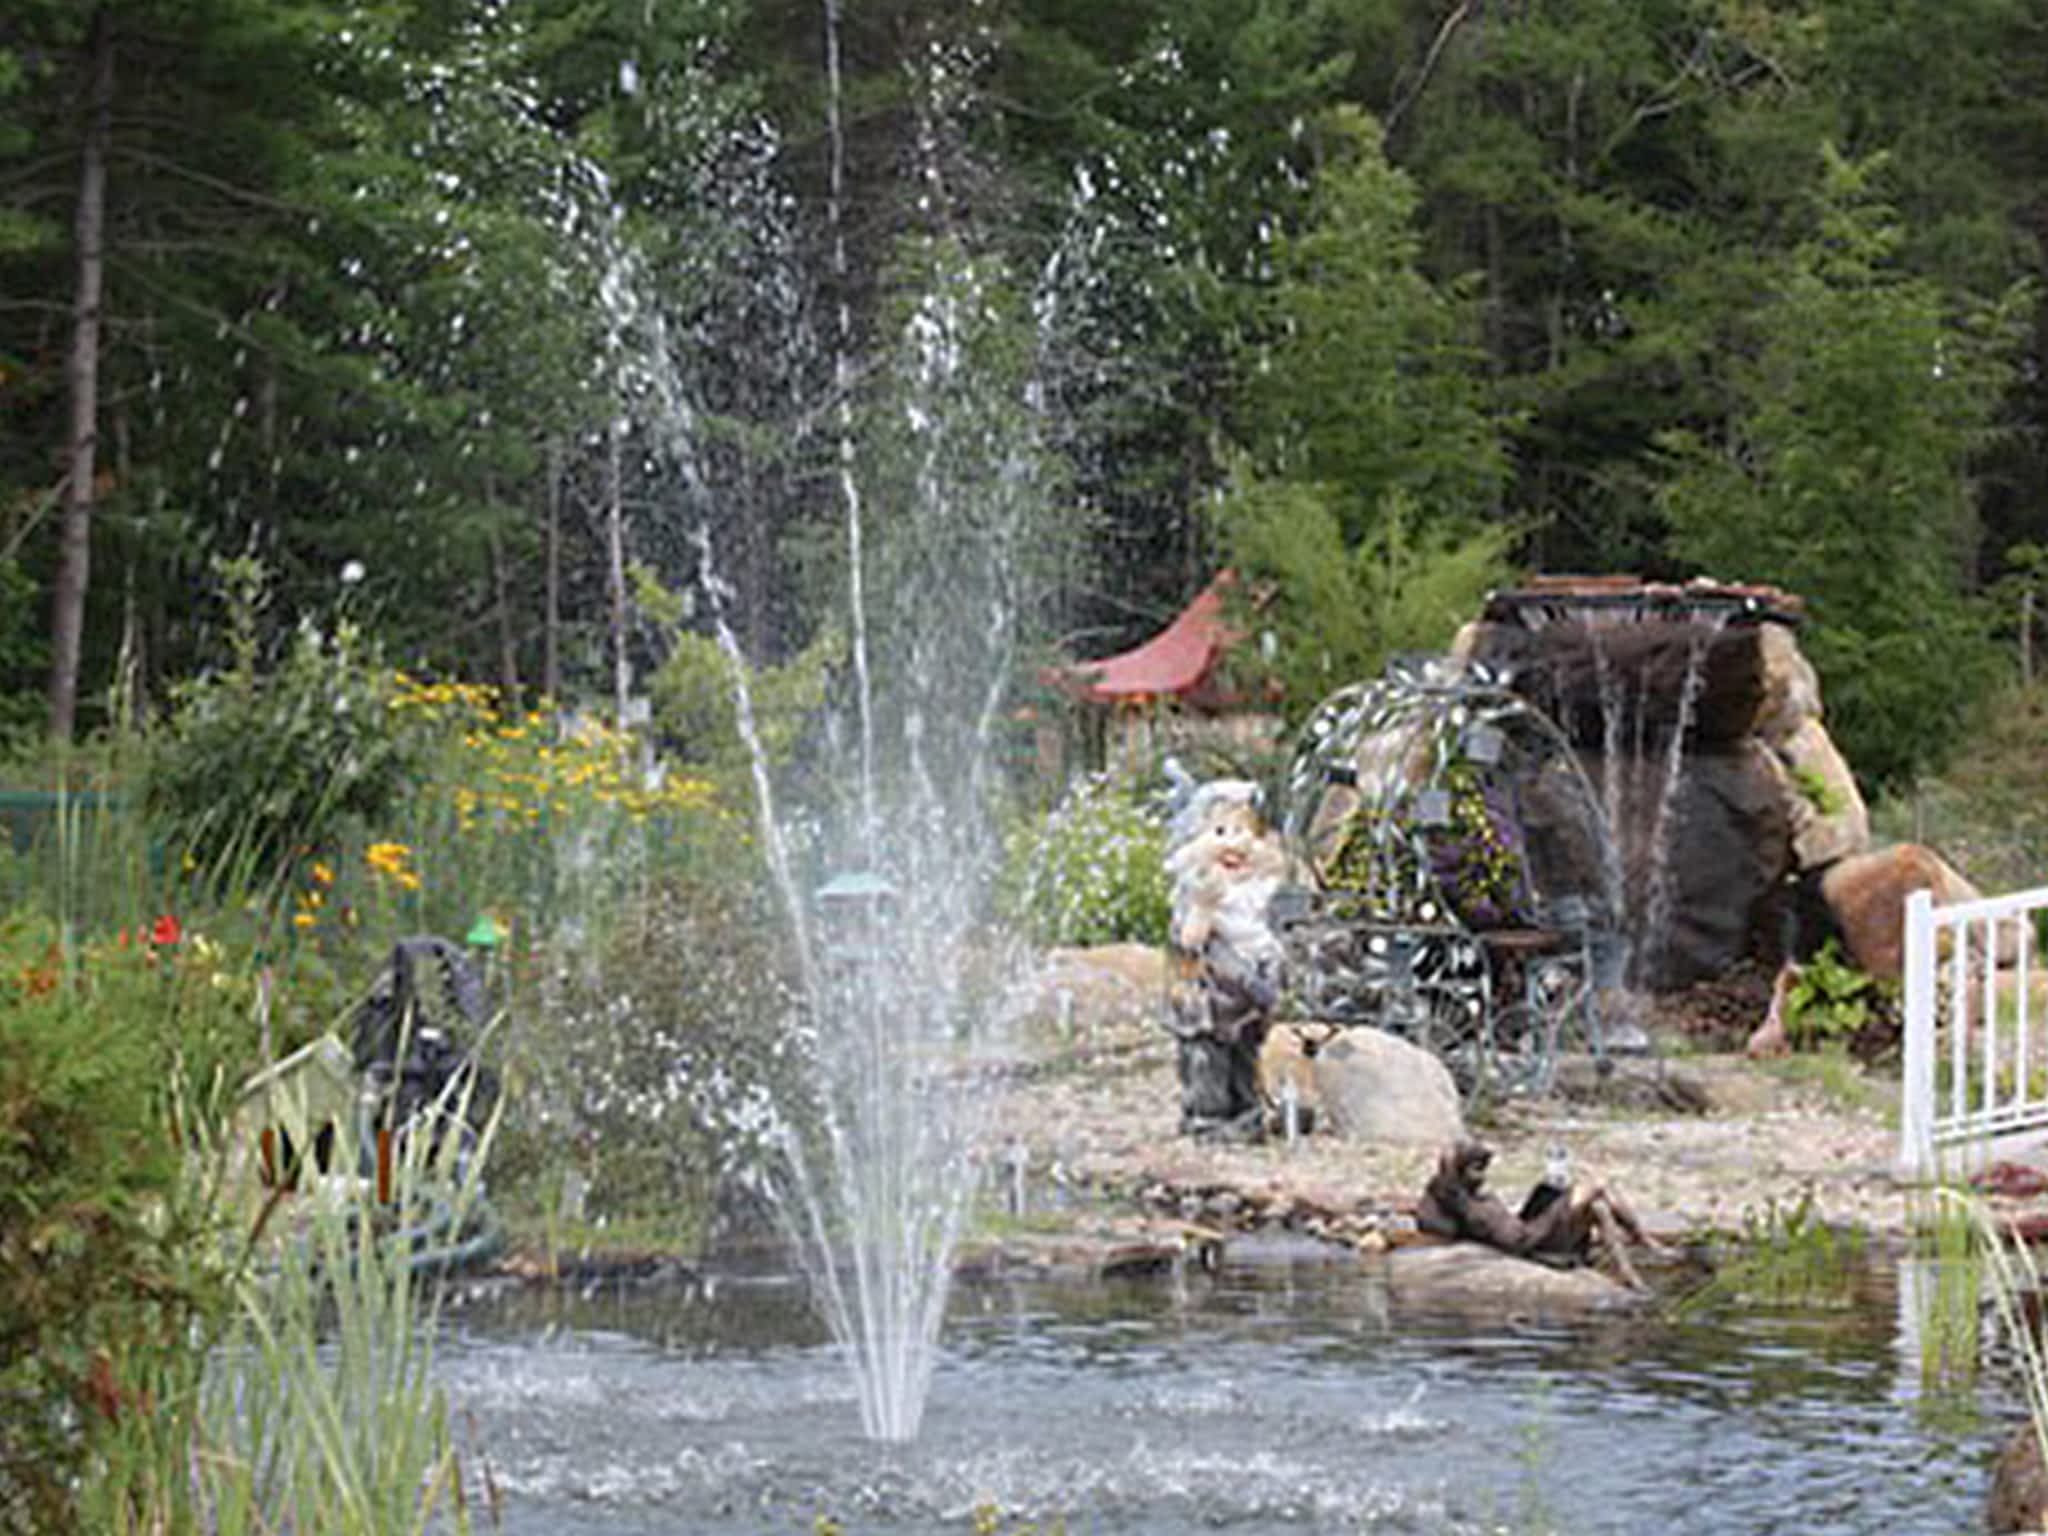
[1696, 715]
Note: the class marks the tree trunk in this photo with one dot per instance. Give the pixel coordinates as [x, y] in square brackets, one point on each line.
[2027, 637]
[551, 621]
[131, 673]
[82, 376]
[501, 586]
[615, 542]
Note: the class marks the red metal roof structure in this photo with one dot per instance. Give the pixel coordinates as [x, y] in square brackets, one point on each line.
[1178, 662]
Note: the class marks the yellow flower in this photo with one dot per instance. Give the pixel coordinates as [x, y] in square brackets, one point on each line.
[304, 919]
[322, 875]
[389, 859]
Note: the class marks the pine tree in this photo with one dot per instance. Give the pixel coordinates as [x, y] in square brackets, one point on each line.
[1842, 472]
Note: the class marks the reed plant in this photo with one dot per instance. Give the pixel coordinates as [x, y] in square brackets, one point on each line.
[2013, 1277]
[311, 1405]
[1942, 1280]
[1788, 1255]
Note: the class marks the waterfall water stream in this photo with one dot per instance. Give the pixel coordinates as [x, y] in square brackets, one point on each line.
[1654, 929]
[1644, 742]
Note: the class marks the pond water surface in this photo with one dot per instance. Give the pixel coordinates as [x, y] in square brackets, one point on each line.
[1280, 1394]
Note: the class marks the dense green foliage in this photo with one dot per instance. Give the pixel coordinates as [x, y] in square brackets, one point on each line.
[94, 1285]
[258, 765]
[1831, 1002]
[1845, 472]
[662, 1065]
[128, 1021]
[1366, 515]
[1380, 299]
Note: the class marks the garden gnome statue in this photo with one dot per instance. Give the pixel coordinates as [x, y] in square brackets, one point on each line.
[1225, 961]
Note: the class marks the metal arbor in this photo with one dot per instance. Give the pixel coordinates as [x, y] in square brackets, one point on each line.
[1462, 868]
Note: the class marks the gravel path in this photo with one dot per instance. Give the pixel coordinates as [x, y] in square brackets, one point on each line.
[1096, 1104]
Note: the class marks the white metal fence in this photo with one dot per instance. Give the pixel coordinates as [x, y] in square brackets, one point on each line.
[1976, 1051]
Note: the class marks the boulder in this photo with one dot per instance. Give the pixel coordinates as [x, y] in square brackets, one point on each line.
[1570, 671]
[1372, 1086]
[1828, 817]
[1791, 687]
[1287, 1057]
[1619, 664]
[1866, 896]
[2019, 1488]
[1724, 869]
[1458, 1276]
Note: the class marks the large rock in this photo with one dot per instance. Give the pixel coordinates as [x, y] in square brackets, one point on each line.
[1866, 896]
[1791, 686]
[2019, 1489]
[1463, 1276]
[1829, 820]
[1723, 868]
[1703, 852]
[1574, 672]
[1371, 1086]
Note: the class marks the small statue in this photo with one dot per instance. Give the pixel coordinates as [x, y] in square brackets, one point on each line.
[1226, 961]
[1556, 1225]
[408, 1041]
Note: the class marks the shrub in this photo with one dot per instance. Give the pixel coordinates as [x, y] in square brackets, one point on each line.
[1834, 1004]
[1092, 872]
[693, 703]
[95, 1277]
[253, 766]
[660, 1067]
[543, 820]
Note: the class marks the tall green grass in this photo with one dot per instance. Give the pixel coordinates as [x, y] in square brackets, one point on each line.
[1787, 1255]
[312, 1407]
[2013, 1277]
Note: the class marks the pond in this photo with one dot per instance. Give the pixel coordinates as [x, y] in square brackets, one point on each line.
[1278, 1394]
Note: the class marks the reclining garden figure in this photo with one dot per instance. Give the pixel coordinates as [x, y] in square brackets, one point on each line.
[1557, 1224]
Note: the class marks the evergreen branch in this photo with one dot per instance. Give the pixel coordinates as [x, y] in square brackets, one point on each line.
[214, 183]
[36, 514]
[140, 273]
[1429, 62]
[29, 170]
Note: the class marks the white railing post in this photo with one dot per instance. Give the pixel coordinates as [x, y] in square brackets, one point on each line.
[1916, 1115]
